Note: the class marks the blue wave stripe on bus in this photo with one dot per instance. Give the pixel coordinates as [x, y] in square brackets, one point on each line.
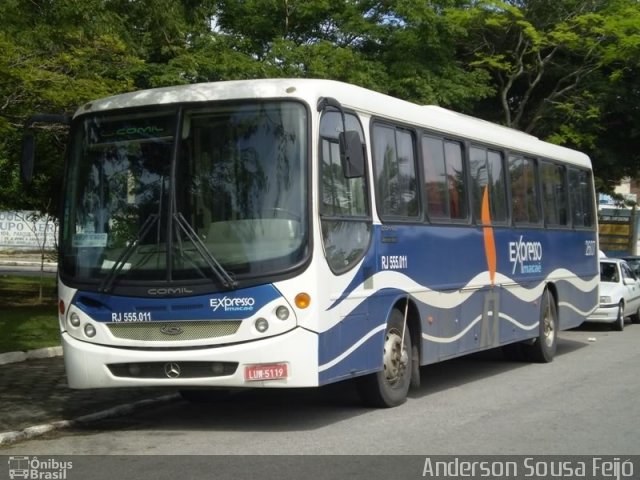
[571, 290]
[354, 345]
[455, 255]
[234, 305]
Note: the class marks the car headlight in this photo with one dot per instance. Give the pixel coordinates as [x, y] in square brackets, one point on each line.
[605, 299]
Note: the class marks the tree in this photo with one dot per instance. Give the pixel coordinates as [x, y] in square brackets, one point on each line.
[39, 225]
[564, 70]
[617, 145]
[536, 51]
[59, 55]
[418, 49]
[399, 47]
[558, 70]
[55, 58]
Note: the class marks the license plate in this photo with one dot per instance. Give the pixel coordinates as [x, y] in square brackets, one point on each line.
[273, 371]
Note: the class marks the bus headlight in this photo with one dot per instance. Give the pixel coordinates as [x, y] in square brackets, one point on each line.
[261, 325]
[89, 330]
[74, 319]
[282, 312]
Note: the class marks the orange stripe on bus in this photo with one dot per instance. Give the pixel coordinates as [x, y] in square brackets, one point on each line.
[489, 242]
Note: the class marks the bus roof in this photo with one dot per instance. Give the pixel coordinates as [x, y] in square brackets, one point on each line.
[357, 98]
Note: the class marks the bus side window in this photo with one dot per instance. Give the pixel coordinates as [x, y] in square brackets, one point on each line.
[524, 191]
[554, 194]
[444, 179]
[344, 209]
[455, 180]
[488, 173]
[581, 198]
[395, 172]
[435, 177]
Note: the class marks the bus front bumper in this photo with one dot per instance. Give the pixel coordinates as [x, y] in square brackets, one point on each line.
[101, 366]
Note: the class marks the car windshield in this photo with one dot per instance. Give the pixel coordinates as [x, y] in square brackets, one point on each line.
[634, 263]
[216, 193]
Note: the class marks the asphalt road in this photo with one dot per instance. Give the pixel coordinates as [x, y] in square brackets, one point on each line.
[585, 402]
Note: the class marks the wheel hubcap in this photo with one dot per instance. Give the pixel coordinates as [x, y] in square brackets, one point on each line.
[549, 327]
[394, 366]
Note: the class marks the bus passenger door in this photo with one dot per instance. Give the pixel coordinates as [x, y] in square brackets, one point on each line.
[346, 224]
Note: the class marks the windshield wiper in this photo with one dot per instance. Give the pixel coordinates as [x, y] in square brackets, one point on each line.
[225, 277]
[121, 261]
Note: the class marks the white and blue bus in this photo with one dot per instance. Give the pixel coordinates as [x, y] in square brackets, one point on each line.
[294, 233]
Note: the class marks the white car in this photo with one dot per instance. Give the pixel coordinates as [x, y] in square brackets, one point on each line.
[619, 294]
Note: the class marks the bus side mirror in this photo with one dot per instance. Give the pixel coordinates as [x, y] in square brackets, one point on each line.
[28, 150]
[28, 141]
[351, 154]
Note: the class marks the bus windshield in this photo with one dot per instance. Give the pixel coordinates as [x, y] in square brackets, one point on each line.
[212, 193]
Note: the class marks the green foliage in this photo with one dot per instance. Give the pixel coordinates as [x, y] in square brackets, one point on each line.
[26, 322]
[57, 56]
[28, 328]
[565, 70]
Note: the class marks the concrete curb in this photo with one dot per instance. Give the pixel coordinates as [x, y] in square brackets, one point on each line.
[47, 267]
[27, 263]
[11, 437]
[7, 438]
[13, 357]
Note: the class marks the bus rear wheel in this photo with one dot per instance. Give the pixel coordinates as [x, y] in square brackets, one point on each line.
[543, 348]
[389, 387]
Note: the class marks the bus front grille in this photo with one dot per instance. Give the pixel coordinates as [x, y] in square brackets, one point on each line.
[173, 370]
[173, 331]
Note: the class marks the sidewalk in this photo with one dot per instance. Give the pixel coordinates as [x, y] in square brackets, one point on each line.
[27, 260]
[35, 399]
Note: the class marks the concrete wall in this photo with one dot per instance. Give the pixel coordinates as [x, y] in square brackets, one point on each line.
[23, 231]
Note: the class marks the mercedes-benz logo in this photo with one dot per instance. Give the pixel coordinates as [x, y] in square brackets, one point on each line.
[171, 330]
[172, 370]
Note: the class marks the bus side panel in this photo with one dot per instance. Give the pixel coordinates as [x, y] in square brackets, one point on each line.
[564, 260]
[463, 306]
[352, 345]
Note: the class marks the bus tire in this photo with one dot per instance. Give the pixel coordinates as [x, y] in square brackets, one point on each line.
[415, 367]
[544, 346]
[389, 387]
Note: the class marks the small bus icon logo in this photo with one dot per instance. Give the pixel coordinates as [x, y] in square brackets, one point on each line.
[18, 467]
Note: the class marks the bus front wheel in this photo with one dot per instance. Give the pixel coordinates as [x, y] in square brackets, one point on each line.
[389, 387]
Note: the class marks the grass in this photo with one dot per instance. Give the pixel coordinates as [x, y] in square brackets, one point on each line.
[26, 322]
